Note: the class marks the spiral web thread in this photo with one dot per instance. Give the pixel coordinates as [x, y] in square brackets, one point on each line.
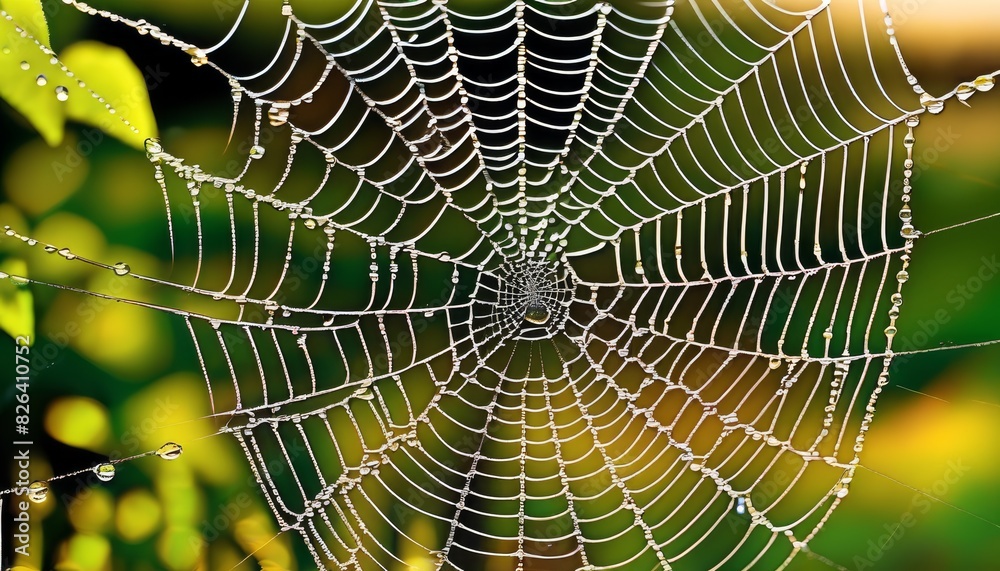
[551, 285]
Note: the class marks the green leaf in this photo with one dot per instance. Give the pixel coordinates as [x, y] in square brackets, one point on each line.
[47, 91]
[17, 316]
[19, 71]
[29, 14]
[110, 72]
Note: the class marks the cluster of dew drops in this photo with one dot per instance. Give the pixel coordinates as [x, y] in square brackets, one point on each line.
[119, 268]
[38, 490]
[935, 105]
[61, 91]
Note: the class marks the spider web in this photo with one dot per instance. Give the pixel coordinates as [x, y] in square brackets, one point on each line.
[551, 284]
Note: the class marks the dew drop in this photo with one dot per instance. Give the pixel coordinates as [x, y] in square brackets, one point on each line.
[774, 363]
[198, 56]
[66, 253]
[741, 506]
[121, 269]
[905, 213]
[25, 65]
[256, 152]
[169, 451]
[896, 299]
[902, 276]
[983, 82]
[912, 121]
[536, 313]
[965, 91]
[62, 94]
[638, 268]
[105, 472]
[38, 491]
[277, 115]
[41, 80]
[932, 104]
[153, 146]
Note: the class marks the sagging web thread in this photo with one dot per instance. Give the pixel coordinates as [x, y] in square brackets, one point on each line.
[617, 271]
